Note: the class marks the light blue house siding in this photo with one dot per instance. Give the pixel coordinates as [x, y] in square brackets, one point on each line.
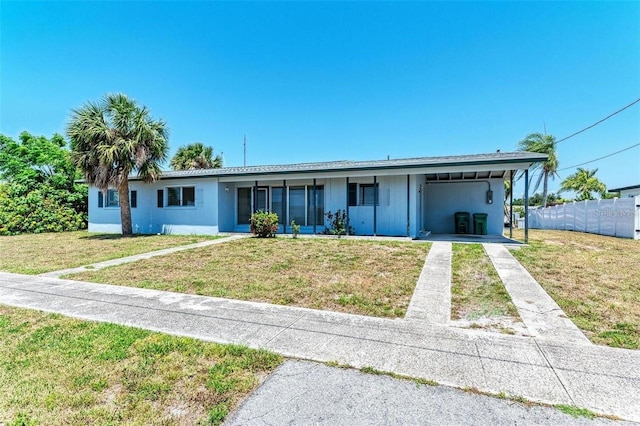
[391, 198]
[147, 218]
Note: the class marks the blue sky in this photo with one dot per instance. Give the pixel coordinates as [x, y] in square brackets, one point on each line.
[331, 81]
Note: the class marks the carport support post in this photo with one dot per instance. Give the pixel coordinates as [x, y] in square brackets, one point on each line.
[284, 205]
[315, 210]
[347, 207]
[375, 205]
[511, 204]
[255, 196]
[526, 206]
[408, 205]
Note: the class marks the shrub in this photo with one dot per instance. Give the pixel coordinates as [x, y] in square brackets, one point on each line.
[339, 223]
[264, 224]
[295, 229]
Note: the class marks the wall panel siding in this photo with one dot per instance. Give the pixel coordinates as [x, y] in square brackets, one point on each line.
[148, 218]
[442, 200]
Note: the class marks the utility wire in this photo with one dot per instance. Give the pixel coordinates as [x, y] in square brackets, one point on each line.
[600, 158]
[587, 162]
[598, 122]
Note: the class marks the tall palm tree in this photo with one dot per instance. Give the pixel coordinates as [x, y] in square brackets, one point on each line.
[111, 139]
[584, 183]
[195, 156]
[543, 144]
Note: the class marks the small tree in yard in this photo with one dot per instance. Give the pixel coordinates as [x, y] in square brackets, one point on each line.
[338, 223]
[264, 224]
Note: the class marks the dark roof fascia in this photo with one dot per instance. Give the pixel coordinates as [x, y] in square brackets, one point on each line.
[502, 161]
[624, 188]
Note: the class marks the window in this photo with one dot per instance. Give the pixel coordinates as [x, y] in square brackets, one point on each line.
[113, 199]
[160, 203]
[181, 196]
[368, 194]
[277, 203]
[353, 194]
[297, 205]
[319, 205]
[244, 205]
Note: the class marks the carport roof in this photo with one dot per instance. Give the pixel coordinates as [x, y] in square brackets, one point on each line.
[624, 188]
[500, 159]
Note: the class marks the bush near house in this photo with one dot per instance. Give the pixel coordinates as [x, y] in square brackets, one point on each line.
[264, 224]
[338, 223]
[38, 192]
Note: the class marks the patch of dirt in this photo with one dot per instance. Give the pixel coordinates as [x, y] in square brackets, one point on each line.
[502, 324]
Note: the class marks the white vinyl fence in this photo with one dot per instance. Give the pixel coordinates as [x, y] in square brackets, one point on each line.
[619, 217]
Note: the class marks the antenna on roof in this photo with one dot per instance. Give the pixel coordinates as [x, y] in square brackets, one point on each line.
[222, 159]
[387, 156]
[244, 148]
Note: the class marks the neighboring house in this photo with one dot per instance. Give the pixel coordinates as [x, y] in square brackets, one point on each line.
[627, 191]
[399, 197]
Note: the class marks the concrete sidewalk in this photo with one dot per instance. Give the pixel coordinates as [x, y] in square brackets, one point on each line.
[539, 312]
[431, 300]
[602, 379]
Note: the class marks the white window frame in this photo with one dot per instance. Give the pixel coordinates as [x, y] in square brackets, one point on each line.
[181, 197]
[107, 199]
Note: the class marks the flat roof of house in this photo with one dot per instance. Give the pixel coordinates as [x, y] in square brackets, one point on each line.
[624, 188]
[497, 158]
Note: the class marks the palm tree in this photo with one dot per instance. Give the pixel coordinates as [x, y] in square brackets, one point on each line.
[584, 183]
[195, 156]
[543, 144]
[111, 139]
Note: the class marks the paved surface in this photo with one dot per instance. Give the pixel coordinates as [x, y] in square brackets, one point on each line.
[431, 300]
[472, 239]
[539, 312]
[302, 392]
[602, 379]
[135, 258]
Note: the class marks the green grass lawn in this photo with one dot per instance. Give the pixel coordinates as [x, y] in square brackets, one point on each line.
[362, 277]
[593, 278]
[39, 253]
[477, 291]
[58, 371]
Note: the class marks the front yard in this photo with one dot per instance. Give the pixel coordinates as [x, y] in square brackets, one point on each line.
[595, 280]
[58, 371]
[356, 276]
[39, 253]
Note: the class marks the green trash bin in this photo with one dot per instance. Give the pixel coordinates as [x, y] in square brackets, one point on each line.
[462, 222]
[480, 223]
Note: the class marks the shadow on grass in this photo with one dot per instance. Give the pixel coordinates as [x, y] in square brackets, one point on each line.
[116, 236]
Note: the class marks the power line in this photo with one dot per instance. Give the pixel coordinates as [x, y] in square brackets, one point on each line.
[598, 122]
[587, 162]
[600, 158]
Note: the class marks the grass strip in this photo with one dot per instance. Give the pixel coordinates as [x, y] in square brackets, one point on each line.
[56, 370]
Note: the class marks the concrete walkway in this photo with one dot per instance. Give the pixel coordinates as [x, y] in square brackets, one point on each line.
[431, 300]
[136, 257]
[602, 379]
[539, 312]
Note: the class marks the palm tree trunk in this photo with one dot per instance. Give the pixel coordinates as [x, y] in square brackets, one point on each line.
[125, 208]
[544, 189]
